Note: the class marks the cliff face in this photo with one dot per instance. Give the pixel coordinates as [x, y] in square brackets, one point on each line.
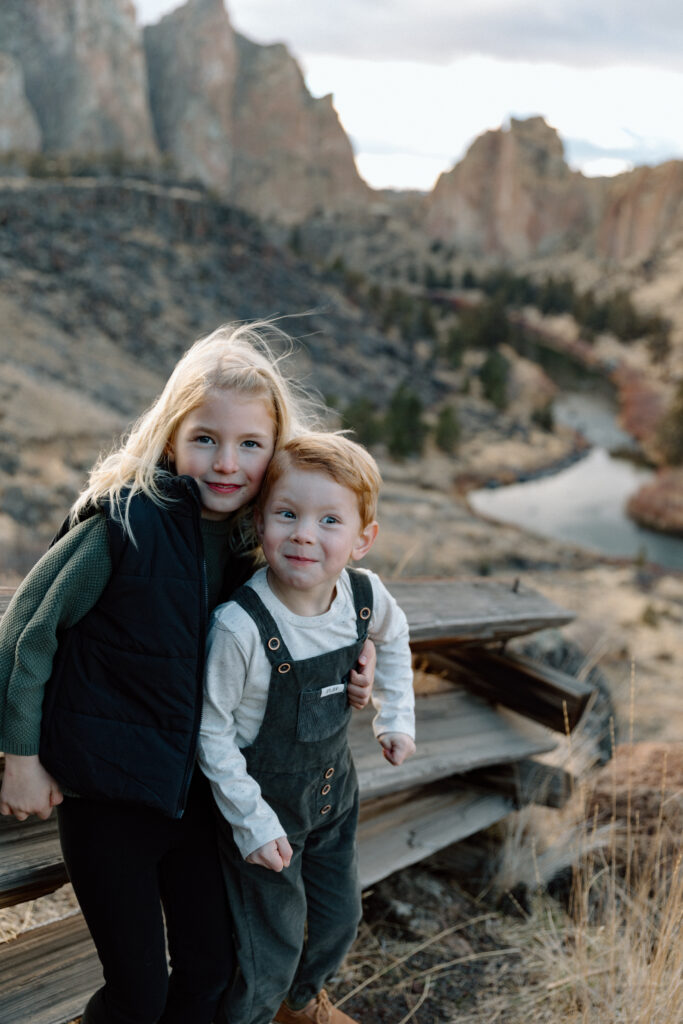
[641, 213]
[512, 195]
[239, 117]
[84, 73]
[192, 67]
[19, 129]
[294, 155]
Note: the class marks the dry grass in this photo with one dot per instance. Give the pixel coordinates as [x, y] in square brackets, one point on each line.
[592, 931]
[606, 950]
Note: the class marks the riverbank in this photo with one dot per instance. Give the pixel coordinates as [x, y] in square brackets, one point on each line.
[628, 615]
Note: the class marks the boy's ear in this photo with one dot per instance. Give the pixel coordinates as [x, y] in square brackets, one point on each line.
[365, 540]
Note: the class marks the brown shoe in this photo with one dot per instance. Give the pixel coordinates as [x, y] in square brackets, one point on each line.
[320, 1010]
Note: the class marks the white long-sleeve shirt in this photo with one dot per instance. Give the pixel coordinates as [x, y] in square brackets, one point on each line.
[237, 680]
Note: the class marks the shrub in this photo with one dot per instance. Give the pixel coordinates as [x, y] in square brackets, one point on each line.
[362, 417]
[447, 433]
[404, 429]
[494, 378]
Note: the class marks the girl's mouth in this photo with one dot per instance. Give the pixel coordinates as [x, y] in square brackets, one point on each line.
[223, 488]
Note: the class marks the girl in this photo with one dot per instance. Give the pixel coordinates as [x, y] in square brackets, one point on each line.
[101, 667]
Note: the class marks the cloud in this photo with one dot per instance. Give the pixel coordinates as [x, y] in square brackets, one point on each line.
[580, 33]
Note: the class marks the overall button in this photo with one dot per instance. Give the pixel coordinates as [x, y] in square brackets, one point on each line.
[326, 788]
[329, 773]
[326, 809]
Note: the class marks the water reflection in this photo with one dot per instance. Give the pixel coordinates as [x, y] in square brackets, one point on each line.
[584, 503]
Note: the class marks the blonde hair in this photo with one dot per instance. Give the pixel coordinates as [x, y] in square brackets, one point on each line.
[239, 357]
[342, 459]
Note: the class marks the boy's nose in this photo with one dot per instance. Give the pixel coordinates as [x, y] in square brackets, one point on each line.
[303, 532]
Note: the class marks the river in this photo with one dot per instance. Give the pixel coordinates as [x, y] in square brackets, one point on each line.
[584, 503]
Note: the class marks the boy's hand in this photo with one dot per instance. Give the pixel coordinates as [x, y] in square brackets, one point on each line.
[274, 855]
[27, 788]
[360, 682]
[397, 746]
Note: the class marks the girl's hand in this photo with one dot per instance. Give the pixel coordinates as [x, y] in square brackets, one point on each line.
[274, 855]
[360, 682]
[27, 788]
[397, 746]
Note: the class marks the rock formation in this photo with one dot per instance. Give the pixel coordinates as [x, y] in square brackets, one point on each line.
[19, 129]
[192, 66]
[84, 71]
[238, 117]
[293, 155]
[512, 195]
[641, 212]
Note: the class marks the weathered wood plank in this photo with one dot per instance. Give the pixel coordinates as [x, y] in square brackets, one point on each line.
[397, 835]
[47, 974]
[536, 691]
[30, 859]
[473, 610]
[462, 610]
[456, 732]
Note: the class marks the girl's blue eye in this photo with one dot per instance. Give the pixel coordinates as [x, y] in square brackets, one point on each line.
[330, 519]
[251, 444]
[287, 514]
[205, 439]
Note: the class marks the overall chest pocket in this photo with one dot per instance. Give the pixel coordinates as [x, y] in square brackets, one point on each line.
[322, 712]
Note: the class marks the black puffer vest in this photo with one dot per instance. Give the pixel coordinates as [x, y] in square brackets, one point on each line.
[122, 708]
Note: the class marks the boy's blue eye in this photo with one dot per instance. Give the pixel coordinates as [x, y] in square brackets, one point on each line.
[330, 519]
[287, 514]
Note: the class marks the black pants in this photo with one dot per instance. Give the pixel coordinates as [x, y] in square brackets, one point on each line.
[125, 862]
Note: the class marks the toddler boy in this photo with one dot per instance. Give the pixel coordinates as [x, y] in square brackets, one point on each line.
[273, 739]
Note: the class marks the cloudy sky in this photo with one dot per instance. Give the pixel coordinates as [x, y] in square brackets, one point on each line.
[415, 81]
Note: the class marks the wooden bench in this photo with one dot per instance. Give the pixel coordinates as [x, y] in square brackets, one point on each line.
[477, 740]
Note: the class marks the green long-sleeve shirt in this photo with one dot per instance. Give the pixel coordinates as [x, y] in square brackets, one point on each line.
[60, 589]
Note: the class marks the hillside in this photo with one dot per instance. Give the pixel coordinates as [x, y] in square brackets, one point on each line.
[102, 286]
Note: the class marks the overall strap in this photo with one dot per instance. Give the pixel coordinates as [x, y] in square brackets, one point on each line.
[271, 638]
[361, 588]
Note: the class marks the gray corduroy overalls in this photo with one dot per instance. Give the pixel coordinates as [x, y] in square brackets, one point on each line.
[295, 927]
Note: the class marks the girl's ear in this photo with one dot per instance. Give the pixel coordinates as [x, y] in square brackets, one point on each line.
[364, 541]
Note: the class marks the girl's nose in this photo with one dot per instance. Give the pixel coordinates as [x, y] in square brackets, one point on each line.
[225, 460]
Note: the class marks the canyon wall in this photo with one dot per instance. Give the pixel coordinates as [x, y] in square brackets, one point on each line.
[84, 72]
[513, 196]
[81, 77]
